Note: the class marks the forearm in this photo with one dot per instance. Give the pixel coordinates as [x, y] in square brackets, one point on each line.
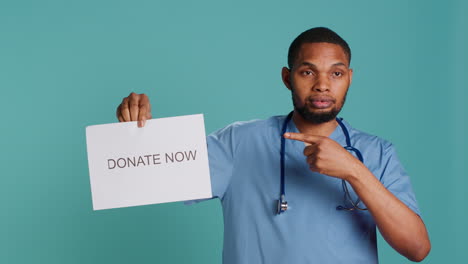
[399, 225]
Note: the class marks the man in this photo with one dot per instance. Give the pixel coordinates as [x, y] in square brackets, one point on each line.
[325, 222]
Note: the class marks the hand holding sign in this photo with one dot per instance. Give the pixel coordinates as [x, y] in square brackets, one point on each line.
[326, 156]
[135, 107]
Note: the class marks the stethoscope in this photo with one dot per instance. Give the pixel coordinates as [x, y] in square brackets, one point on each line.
[283, 204]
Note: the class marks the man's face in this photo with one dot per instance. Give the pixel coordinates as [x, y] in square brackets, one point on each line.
[319, 81]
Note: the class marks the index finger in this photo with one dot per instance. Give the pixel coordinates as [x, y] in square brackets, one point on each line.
[142, 115]
[310, 139]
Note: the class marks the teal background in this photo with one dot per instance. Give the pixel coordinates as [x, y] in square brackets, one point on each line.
[65, 65]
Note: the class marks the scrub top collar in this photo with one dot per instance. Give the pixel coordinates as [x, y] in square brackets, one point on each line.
[337, 134]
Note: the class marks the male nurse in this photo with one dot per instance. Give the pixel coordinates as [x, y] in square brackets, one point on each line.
[335, 200]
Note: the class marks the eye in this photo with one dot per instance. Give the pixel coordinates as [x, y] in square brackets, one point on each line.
[307, 73]
[337, 74]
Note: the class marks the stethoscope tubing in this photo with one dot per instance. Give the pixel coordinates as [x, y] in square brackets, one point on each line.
[282, 203]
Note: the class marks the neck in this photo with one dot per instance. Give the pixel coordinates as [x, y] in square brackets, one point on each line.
[306, 127]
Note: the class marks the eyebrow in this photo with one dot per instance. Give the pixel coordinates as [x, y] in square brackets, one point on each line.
[314, 66]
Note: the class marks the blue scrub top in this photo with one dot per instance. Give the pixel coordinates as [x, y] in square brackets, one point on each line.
[244, 160]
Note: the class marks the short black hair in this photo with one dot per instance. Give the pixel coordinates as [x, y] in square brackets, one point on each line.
[316, 35]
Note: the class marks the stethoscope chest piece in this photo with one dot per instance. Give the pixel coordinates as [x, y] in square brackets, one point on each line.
[282, 205]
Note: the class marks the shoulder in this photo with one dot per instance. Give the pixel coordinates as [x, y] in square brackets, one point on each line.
[241, 128]
[378, 153]
[246, 133]
[366, 139]
[376, 150]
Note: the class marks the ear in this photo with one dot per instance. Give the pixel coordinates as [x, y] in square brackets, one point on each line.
[285, 75]
[350, 76]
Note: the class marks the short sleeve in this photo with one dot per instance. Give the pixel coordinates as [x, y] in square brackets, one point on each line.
[220, 156]
[396, 180]
[221, 160]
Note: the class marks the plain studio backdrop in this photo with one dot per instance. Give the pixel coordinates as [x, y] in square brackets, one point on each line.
[68, 64]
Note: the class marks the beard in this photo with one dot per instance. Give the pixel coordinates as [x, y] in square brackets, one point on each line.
[314, 116]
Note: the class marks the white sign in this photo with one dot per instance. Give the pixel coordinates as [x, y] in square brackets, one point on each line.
[164, 161]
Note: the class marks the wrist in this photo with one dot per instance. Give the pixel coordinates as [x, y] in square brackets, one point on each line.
[356, 173]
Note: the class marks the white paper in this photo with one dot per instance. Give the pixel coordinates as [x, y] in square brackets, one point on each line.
[165, 161]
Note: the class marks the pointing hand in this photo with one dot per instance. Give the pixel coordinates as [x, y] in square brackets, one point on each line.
[326, 156]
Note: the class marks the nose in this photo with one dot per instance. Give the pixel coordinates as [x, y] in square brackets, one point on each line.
[322, 84]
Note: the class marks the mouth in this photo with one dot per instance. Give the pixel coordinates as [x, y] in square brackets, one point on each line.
[321, 102]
